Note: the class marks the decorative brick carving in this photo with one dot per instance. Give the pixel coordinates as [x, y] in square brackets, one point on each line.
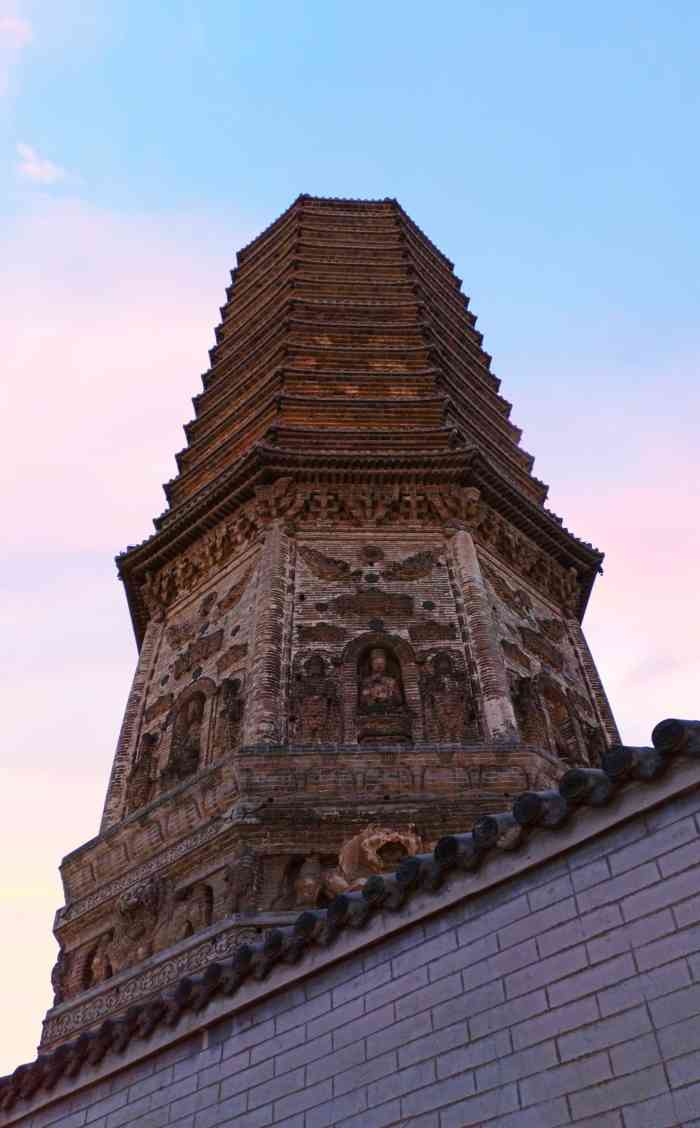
[303, 505]
[309, 882]
[415, 567]
[382, 714]
[186, 749]
[235, 593]
[515, 598]
[321, 632]
[554, 629]
[232, 657]
[545, 650]
[198, 652]
[108, 889]
[59, 973]
[528, 711]
[136, 918]
[448, 712]
[563, 733]
[160, 706]
[433, 631]
[97, 966]
[514, 654]
[373, 604]
[145, 983]
[183, 914]
[371, 553]
[233, 707]
[304, 495]
[180, 632]
[243, 877]
[316, 716]
[143, 775]
[323, 567]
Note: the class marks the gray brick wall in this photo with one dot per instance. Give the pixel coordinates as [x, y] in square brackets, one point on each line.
[567, 995]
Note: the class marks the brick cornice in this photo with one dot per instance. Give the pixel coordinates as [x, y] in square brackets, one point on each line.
[180, 528]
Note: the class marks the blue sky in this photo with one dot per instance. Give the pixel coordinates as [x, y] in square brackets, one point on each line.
[550, 150]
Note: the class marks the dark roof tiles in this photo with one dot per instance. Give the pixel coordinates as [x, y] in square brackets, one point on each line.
[543, 810]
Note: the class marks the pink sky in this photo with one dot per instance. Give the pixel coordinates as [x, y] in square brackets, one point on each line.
[109, 322]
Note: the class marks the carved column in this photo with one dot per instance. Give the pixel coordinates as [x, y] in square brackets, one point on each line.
[265, 716]
[499, 718]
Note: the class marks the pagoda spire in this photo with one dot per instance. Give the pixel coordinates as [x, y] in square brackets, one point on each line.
[359, 627]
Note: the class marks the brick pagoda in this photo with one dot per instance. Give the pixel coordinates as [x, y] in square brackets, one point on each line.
[358, 624]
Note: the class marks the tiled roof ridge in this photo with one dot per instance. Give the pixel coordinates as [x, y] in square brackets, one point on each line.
[547, 810]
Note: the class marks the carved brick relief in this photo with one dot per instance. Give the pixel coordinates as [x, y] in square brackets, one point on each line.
[143, 775]
[136, 917]
[235, 593]
[179, 633]
[406, 587]
[233, 704]
[372, 604]
[448, 711]
[234, 656]
[316, 716]
[383, 716]
[197, 652]
[321, 632]
[304, 504]
[160, 706]
[416, 567]
[549, 693]
[203, 634]
[186, 748]
[322, 566]
[183, 914]
[433, 631]
[243, 877]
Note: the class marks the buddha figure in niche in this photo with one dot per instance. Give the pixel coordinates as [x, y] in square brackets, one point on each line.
[378, 688]
[317, 718]
[382, 716]
[186, 746]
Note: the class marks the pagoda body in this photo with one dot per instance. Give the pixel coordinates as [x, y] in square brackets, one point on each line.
[358, 624]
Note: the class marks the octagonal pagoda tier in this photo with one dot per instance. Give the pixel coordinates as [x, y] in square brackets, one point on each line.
[359, 627]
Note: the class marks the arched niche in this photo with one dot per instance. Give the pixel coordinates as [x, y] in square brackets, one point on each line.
[187, 748]
[315, 715]
[449, 707]
[362, 703]
[228, 724]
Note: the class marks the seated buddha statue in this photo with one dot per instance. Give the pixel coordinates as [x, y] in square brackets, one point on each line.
[382, 714]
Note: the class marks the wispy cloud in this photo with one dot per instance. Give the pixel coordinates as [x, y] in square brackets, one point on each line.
[15, 35]
[37, 169]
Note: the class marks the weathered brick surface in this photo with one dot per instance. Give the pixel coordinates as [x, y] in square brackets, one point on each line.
[506, 1010]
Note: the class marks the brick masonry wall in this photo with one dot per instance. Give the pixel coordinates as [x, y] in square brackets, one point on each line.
[567, 994]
